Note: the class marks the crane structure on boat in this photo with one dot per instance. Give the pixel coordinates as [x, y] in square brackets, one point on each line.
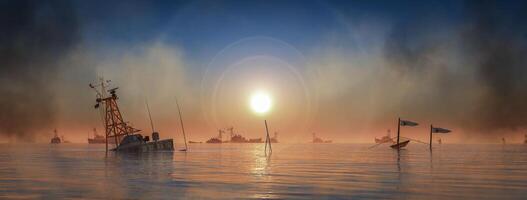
[115, 126]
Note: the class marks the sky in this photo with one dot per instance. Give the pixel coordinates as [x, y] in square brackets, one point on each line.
[343, 69]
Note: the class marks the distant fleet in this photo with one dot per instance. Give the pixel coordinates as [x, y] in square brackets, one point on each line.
[123, 136]
[237, 138]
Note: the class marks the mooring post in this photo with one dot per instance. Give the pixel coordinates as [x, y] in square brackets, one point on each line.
[431, 128]
[267, 139]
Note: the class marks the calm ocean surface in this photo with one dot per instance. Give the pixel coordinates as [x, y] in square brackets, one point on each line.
[242, 171]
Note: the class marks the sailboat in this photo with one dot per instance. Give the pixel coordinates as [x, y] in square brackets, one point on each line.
[182, 127]
[400, 123]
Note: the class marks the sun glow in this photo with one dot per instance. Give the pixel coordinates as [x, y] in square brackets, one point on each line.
[260, 102]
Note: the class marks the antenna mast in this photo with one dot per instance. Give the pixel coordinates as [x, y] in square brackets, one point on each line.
[182, 127]
[150, 116]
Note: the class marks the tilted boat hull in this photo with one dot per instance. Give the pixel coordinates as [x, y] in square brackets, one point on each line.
[400, 145]
[161, 145]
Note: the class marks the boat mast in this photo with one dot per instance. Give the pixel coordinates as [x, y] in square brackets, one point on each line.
[182, 127]
[150, 116]
[398, 129]
[431, 127]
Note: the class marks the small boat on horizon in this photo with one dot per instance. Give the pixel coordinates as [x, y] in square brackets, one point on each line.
[98, 139]
[56, 139]
[320, 140]
[385, 139]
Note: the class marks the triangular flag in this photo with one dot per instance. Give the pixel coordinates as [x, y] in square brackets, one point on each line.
[440, 130]
[408, 123]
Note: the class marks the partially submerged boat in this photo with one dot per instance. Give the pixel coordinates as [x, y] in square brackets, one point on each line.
[126, 137]
[138, 143]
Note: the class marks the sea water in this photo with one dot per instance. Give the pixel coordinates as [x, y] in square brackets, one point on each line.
[244, 171]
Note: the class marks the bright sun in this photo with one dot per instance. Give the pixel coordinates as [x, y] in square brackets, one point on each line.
[260, 102]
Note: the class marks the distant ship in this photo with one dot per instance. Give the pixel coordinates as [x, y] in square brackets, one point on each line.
[385, 139]
[320, 140]
[237, 138]
[98, 139]
[56, 139]
[234, 138]
[216, 140]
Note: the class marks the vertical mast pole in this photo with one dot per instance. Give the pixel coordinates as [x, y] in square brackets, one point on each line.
[431, 127]
[182, 127]
[398, 129]
[149, 116]
[103, 97]
[267, 140]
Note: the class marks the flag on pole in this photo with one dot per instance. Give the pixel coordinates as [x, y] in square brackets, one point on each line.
[408, 123]
[440, 130]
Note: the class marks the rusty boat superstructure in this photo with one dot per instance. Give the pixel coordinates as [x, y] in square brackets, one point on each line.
[125, 137]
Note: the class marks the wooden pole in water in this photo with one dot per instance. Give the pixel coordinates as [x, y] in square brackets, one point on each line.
[398, 130]
[182, 127]
[267, 139]
[431, 127]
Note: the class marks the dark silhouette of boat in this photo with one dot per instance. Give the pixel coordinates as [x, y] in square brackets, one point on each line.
[56, 139]
[320, 140]
[216, 140]
[98, 139]
[400, 144]
[138, 143]
[237, 138]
